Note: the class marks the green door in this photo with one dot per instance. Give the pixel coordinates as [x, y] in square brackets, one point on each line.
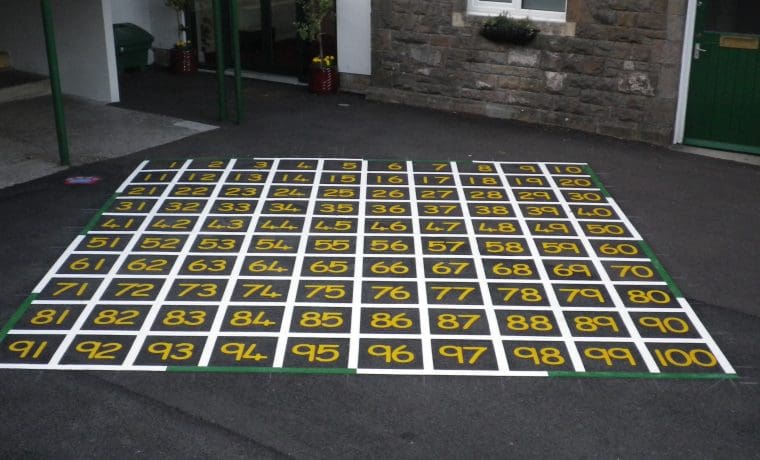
[723, 107]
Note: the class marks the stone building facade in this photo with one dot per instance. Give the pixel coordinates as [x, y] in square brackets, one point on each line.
[611, 68]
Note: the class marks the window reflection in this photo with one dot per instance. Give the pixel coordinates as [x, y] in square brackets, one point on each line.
[734, 16]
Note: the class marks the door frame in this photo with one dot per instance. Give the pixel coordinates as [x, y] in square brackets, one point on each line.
[683, 86]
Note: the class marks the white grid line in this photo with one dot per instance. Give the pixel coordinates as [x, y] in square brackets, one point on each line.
[220, 180]
[152, 314]
[419, 261]
[620, 308]
[482, 279]
[565, 334]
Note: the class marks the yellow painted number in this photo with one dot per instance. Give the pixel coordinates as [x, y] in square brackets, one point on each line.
[398, 355]
[321, 353]
[587, 293]
[328, 319]
[502, 269]
[385, 320]
[28, 348]
[99, 350]
[207, 265]
[636, 271]
[198, 289]
[524, 294]
[462, 354]
[685, 358]
[444, 291]
[50, 316]
[540, 323]
[594, 323]
[667, 325]
[261, 266]
[450, 321]
[330, 291]
[184, 318]
[649, 296]
[116, 317]
[332, 266]
[610, 355]
[549, 356]
[245, 318]
[382, 268]
[385, 245]
[85, 263]
[263, 290]
[79, 289]
[174, 351]
[242, 351]
[449, 268]
[393, 292]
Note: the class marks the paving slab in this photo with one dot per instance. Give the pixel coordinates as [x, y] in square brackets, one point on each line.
[96, 132]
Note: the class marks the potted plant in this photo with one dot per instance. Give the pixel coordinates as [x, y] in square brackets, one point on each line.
[505, 29]
[323, 74]
[183, 57]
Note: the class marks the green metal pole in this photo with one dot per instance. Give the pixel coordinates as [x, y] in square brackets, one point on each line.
[236, 58]
[220, 67]
[55, 82]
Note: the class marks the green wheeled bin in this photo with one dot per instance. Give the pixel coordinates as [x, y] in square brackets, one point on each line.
[132, 45]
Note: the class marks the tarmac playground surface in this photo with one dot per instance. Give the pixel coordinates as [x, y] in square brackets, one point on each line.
[695, 214]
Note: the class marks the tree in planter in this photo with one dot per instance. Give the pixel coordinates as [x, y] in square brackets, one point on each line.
[183, 57]
[180, 6]
[310, 28]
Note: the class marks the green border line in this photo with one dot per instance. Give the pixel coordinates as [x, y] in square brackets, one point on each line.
[17, 315]
[660, 269]
[597, 181]
[643, 244]
[94, 220]
[260, 370]
[642, 375]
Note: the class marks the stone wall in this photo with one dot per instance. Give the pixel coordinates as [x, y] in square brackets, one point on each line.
[612, 68]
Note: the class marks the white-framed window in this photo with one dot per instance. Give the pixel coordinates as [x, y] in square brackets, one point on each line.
[539, 10]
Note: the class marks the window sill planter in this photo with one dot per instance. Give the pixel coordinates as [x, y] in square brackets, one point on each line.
[507, 30]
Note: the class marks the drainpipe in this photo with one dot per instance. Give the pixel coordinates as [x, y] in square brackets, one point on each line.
[220, 67]
[55, 82]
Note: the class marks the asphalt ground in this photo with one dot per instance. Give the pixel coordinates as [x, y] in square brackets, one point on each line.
[699, 215]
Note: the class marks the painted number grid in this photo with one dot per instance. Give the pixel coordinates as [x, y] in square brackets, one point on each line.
[356, 266]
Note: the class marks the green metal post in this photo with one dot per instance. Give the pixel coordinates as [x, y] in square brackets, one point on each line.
[236, 59]
[55, 82]
[220, 67]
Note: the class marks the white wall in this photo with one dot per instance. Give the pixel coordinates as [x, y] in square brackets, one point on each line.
[84, 39]
[163, 24]
[85, 44]
[134, 11]
[354, 36]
